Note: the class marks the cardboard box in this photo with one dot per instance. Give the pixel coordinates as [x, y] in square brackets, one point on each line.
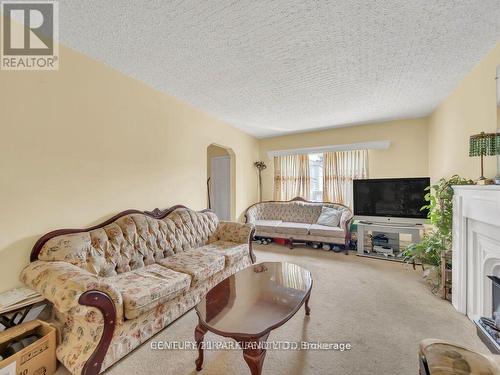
[39, 358]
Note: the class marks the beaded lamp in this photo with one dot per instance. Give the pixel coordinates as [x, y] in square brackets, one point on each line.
[497, 177]
[484, 144]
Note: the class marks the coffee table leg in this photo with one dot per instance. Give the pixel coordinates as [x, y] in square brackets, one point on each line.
[199, 334]
[308, 309]
[254, 355]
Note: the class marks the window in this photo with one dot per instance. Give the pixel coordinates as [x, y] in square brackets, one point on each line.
[316, 173]
[319, 177]
[340, 169]
[335, 172]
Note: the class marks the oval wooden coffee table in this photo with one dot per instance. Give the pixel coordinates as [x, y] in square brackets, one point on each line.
[248, 305]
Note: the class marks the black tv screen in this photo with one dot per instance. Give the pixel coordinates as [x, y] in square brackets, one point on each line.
[391, 197]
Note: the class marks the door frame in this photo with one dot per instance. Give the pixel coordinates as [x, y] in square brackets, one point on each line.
[232, 177]
[227, 179]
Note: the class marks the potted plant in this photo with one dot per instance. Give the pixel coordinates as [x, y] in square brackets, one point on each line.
[438, 240]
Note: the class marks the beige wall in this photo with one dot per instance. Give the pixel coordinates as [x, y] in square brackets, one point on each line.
[74, 150]
[470, 109]
[407, 155]
[80, 144]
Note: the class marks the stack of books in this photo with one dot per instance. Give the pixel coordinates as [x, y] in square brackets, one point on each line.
[14, 299]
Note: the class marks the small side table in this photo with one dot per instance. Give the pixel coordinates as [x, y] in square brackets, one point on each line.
[10, 314]
[446, 275]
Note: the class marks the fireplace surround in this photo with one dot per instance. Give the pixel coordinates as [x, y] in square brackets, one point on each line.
[476, 249]
[488, 327]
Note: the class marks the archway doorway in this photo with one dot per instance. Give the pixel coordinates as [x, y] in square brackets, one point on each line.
[221, 181]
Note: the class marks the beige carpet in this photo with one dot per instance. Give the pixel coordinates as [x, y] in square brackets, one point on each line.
[382, 308]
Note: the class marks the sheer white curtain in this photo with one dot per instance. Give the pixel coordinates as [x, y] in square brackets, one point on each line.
[339, 170]
[291, 177]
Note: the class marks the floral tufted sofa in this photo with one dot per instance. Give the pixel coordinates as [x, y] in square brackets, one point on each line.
[115, 285]
[296, 220]
[438, 357]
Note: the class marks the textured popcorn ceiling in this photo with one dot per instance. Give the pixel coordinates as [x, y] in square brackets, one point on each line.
[275, 67]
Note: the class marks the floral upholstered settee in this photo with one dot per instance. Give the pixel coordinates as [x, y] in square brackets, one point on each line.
[438, 357]
[296, 220]
[115, 285]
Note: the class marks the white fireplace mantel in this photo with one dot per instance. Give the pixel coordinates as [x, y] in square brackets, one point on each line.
[476, 248]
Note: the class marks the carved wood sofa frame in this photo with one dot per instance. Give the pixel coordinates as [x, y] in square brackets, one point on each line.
[100, 300]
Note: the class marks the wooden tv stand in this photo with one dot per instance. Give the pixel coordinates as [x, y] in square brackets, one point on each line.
[413, 229]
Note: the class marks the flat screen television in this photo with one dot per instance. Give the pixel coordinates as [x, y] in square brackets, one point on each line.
[396, 200]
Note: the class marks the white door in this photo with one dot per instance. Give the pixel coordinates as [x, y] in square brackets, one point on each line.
[220, 187]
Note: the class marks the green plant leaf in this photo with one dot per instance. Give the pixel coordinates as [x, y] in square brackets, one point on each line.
[440, 205]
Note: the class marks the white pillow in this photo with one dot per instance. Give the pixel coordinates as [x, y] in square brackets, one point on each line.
[329, 216]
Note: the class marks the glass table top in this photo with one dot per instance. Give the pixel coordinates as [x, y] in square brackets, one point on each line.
[256, 299]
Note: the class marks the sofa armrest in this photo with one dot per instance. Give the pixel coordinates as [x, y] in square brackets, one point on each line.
[63, 284]
[346, 221]
[251, 214]
[238, 233]
[234, 232]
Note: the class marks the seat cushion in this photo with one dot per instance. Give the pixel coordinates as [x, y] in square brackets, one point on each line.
[293, 228]
[267, 226]
[233, 252]
[145, 288]
[327, 231]
[197, 263]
